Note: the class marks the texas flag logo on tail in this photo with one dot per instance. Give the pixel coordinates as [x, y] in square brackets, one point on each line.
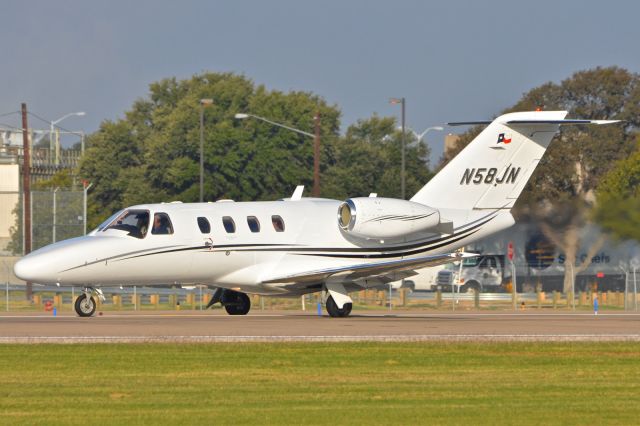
[504, 139]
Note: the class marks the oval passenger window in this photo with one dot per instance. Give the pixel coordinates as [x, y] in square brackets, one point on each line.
[278, 223]
[254, 224]
[204, 225]
[229, 224]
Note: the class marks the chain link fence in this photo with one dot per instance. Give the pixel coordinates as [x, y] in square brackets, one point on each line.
[55, 216]
[535, 277]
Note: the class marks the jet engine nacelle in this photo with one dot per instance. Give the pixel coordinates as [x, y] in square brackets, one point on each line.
[379, 218]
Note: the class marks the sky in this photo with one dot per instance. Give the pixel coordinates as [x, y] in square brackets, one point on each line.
[452, 60]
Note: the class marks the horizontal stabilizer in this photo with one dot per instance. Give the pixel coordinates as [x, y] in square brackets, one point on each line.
[468, 123]
[561, 122]
[530, 122]
[354, 272]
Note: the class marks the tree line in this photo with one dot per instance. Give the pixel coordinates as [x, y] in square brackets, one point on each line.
[152, 154]
[587, 174]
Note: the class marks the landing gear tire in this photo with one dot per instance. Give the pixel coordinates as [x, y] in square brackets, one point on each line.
[335, 312]
[85, 306]
[236, 303]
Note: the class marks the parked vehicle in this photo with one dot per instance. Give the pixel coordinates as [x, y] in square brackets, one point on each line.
[482, 273]
[424, 281]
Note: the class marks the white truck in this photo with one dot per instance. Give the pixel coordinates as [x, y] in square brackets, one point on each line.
[425, 280]
[481, 273]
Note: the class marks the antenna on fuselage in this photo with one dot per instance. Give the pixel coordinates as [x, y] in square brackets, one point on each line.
[297, 194]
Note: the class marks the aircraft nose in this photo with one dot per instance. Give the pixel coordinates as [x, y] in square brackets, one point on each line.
[25, 269]
[36, 267]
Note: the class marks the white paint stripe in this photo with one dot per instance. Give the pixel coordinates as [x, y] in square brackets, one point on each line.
[328, 338]
[143, 316]
[355, 314]
[512, 315]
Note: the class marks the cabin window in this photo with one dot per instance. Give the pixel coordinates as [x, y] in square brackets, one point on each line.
[204, 225]
[229, 224]
[278, 223]
[254, 224]
[135, 222]
[161, 224]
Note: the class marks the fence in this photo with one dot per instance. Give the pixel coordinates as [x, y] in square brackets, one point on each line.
[402, 300]
[55, 215]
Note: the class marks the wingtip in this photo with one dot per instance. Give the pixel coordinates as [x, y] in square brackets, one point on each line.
[599, 122]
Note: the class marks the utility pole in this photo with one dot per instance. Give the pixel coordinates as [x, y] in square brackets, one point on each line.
[201, 152]
[26, 190]
[401, 101]
[203, 103]
[316, 156]
[404, 173]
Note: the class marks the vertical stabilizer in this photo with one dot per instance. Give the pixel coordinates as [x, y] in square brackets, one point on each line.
[492, 171]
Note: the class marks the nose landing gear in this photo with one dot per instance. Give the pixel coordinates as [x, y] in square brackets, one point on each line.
[85, 305]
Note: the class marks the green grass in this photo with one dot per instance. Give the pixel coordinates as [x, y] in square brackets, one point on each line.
[363, 383]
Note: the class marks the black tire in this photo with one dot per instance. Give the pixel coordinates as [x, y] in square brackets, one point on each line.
[85, 307]
[335, 312]
[470, 287]
[236, 303]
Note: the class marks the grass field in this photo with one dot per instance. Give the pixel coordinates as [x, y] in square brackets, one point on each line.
[363, 383]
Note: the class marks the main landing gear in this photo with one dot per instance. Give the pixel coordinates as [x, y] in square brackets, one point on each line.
[234, 302]
[85, 305]
[334, 311]
[337, 302]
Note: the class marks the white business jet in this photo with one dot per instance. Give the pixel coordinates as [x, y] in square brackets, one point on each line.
[301, 245]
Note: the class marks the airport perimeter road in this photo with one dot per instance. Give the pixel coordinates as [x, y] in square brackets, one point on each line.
[216, 326]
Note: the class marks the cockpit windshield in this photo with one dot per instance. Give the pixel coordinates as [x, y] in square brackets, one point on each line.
[108, 221]
[135, 222]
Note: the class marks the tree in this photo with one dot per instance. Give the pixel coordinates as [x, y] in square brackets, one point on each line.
[618, 209]
[368, 160]
[152, 154]
[563, 188]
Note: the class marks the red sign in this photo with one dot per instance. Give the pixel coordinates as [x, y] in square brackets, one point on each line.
[510, 250]
[600, 275]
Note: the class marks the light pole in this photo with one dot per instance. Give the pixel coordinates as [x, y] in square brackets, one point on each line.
[86, 185]
[54, 208]
[203, 103]
[401, 101]
[316, 144]
[51, 130]
[420, 136]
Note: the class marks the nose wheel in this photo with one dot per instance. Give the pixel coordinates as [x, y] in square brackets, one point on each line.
[85, 305]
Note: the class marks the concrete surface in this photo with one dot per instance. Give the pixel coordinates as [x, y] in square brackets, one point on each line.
[275, 326]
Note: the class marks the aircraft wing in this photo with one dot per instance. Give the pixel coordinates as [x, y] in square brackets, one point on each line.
[371, 269]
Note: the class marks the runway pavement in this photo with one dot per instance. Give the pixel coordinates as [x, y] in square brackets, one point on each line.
[278, 326]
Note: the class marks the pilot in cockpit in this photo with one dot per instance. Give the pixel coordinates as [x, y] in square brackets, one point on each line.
[161, 224]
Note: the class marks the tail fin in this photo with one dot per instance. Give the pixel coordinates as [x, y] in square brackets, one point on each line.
[491, 172]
